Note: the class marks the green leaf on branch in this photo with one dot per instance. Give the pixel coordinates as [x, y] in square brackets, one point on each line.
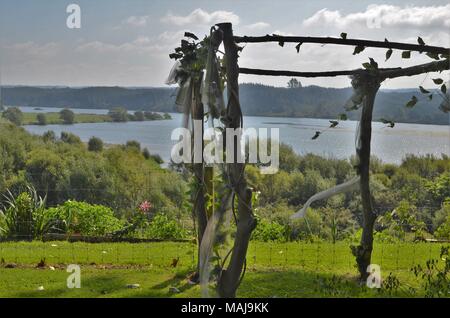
[420, 41]
[175, 56]
[406, 54]
[190, 35]
[434, 56]
[358, 49]
[373, 63]
[390, 123]
[342, 117]
[412, 102]
[388, 54]
[333, 123]
[370, 66]
[297, 47]
[316, 135]
[344, 35]
[444, 89]
[423, 90]
[438, 81]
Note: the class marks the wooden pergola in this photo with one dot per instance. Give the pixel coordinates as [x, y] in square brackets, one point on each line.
[369, 79]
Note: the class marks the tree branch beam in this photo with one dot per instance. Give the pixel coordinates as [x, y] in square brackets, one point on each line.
[254, 71]
[437, 66]
[341, 41]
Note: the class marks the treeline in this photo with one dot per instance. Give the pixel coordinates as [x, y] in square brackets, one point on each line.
[256, 100]
[63, 168]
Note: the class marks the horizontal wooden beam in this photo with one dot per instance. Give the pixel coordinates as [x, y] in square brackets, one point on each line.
[384, 73]
[437, 66]
[341, 41]
[255, 71]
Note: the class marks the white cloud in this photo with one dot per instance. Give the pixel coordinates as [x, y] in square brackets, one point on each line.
[435, 17]
[201, 17]
[35, 50]
[136, 21]
[140, 45]
[258, 26]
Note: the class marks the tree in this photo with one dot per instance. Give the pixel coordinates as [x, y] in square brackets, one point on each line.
[133, 144]
[70, 138]
[14, 115]
[146, 153]
[118, 114]
[294, 83]
[95, 144]
[67, 116]
[139, 116]
[49, 136]
[41, 119]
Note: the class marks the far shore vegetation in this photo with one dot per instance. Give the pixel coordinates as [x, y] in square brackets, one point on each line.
[67, 116]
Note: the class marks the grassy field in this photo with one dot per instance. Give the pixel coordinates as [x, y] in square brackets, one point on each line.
[273, 269]
[53, 118]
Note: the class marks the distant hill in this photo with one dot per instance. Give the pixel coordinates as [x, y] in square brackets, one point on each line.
[256, 100]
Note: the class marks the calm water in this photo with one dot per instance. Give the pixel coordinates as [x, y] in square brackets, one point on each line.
[389, 144]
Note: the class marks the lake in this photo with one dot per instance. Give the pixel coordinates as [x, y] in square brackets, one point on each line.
[388, 144]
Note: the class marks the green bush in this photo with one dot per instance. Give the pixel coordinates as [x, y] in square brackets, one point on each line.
[86, 219]
[443, 231]
[164, 228]
[25, 217]
[266, 231]
[41, 119]
[95, 144]
[14, 115]
[70, 138]
[67, 116]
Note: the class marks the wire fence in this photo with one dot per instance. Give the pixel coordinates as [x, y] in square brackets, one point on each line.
[314, 257]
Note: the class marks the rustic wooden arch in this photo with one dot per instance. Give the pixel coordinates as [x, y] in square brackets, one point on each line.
[371, 79]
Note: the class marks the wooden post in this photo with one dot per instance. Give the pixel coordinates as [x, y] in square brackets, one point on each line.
[230, 278]
[363, 252]
[199, 210]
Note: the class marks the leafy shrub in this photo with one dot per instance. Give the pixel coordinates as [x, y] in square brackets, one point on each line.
[435, 275]
[25, 216]
[41, 119]
[443, 231]
[67, 116]
[86, 219]
[70, 138]
[118, 114]
[266, 231]
[95, 144]
[164, 228]
[14, 115]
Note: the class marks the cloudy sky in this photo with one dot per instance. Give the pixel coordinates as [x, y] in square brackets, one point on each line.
[126, 43]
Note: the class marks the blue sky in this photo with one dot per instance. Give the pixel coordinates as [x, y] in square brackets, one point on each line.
[127, 43]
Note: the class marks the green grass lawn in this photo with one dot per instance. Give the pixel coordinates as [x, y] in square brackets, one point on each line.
[273, 269]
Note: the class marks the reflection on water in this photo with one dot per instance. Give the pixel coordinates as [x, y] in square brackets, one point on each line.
[389, 144]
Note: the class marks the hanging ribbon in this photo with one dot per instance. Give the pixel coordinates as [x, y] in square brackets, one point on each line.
[352, 184]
